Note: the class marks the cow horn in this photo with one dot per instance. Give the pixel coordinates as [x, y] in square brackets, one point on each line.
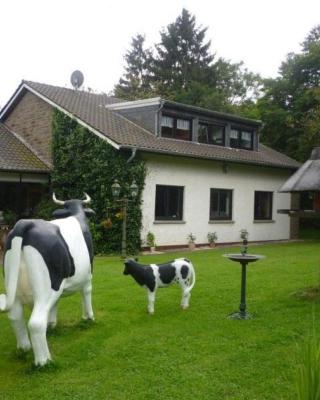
[60, 202]
[87, 199]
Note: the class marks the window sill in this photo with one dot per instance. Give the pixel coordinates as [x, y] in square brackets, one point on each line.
[264, 221]
[168, 222]
[221, 221]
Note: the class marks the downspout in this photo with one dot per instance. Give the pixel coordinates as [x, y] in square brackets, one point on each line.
[157, 115]
[133, 154]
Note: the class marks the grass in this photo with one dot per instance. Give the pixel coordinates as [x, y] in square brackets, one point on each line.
[175, 354]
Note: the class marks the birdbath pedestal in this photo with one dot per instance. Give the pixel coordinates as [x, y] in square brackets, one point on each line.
[244, 260]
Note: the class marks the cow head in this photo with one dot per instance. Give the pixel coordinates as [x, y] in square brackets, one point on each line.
[72, 207]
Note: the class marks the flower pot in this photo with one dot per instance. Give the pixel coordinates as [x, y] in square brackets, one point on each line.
[192, 246]
[152, 249]
[212, 244]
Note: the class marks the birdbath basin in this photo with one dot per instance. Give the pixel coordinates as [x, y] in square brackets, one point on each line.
[244, 260]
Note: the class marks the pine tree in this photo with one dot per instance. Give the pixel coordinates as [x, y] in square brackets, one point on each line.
[135, 84]
[182, 56]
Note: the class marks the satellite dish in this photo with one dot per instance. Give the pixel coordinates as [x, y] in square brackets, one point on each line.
[77, 79]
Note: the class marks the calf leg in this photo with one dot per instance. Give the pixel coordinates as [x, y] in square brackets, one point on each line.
[185, 295]
[18, 324]
[151, 300]
[87, 312]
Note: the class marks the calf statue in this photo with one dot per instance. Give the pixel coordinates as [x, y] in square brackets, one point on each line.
[44, 260]
[155, 276]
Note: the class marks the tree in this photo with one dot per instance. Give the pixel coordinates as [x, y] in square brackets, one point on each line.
[183, 69]
[290, 106]
[182, 55]
[136, 81]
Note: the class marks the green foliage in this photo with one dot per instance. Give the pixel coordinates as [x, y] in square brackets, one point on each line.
[151, 239]
[290, 106]
[86, 163]
[44, 209]
[136, 82]
[183, 68]
[308, 369]
[10, 217]
[212, 237]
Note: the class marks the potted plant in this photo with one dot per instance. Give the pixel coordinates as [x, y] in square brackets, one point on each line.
[212, 237]
[151, 241]
[191, 241]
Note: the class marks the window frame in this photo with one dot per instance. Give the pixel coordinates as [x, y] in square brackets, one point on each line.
[259, 217]
[230, 210]
[209, 123]
[180, 204]
[175, 128]
[239, 139]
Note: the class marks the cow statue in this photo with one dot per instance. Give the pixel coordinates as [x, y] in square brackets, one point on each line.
[155, 276]
[44, 260]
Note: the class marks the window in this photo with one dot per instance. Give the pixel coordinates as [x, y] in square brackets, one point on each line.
[220, 204]
[263, 205]
[169, 203]
[211, 134]
[241, 139]
[176, 128]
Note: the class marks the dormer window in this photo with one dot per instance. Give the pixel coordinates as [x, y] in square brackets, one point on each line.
[241, 139]
[211, 134]
[175, 128]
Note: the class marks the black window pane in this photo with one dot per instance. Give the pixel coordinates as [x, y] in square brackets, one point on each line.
[216, 135]
[263, 205]
[169, 202]
[203, 133]
[211, 134]
[246, 140]
[234, 138]
[176, 128]
[221, 204]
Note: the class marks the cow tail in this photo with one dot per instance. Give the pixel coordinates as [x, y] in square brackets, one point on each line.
[11, 270]
[193, 275]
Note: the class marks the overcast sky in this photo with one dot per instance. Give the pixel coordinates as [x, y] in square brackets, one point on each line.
[45, 41]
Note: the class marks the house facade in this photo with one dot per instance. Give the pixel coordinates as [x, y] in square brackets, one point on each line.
[206, 171]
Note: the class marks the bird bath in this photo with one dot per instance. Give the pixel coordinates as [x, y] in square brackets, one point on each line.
[244, 259]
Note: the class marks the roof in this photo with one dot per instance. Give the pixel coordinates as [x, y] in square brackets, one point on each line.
[307, 178]
[91, 110]
[16, 156]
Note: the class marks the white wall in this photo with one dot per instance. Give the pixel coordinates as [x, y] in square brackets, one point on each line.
[197, 177]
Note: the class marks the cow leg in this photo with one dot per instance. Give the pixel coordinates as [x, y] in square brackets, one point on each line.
[38, 328]
[19, 326]
[52, 319]
[151, 300]
[185, 295]
[87, 312]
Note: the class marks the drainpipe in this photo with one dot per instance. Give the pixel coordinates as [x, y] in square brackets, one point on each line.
[157, 115]
[133, 154]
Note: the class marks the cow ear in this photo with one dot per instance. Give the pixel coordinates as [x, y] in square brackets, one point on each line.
[88, 212]
[62, 213]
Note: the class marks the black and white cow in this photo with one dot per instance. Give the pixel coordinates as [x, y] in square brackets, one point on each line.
[155, 276]
[43, 261]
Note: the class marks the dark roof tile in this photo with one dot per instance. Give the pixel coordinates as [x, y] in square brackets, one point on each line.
[90, 109]
[16, 156]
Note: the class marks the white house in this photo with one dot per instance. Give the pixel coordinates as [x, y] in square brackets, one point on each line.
[206, 171]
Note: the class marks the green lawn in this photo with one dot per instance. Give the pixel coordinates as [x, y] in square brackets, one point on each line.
[175, 354]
